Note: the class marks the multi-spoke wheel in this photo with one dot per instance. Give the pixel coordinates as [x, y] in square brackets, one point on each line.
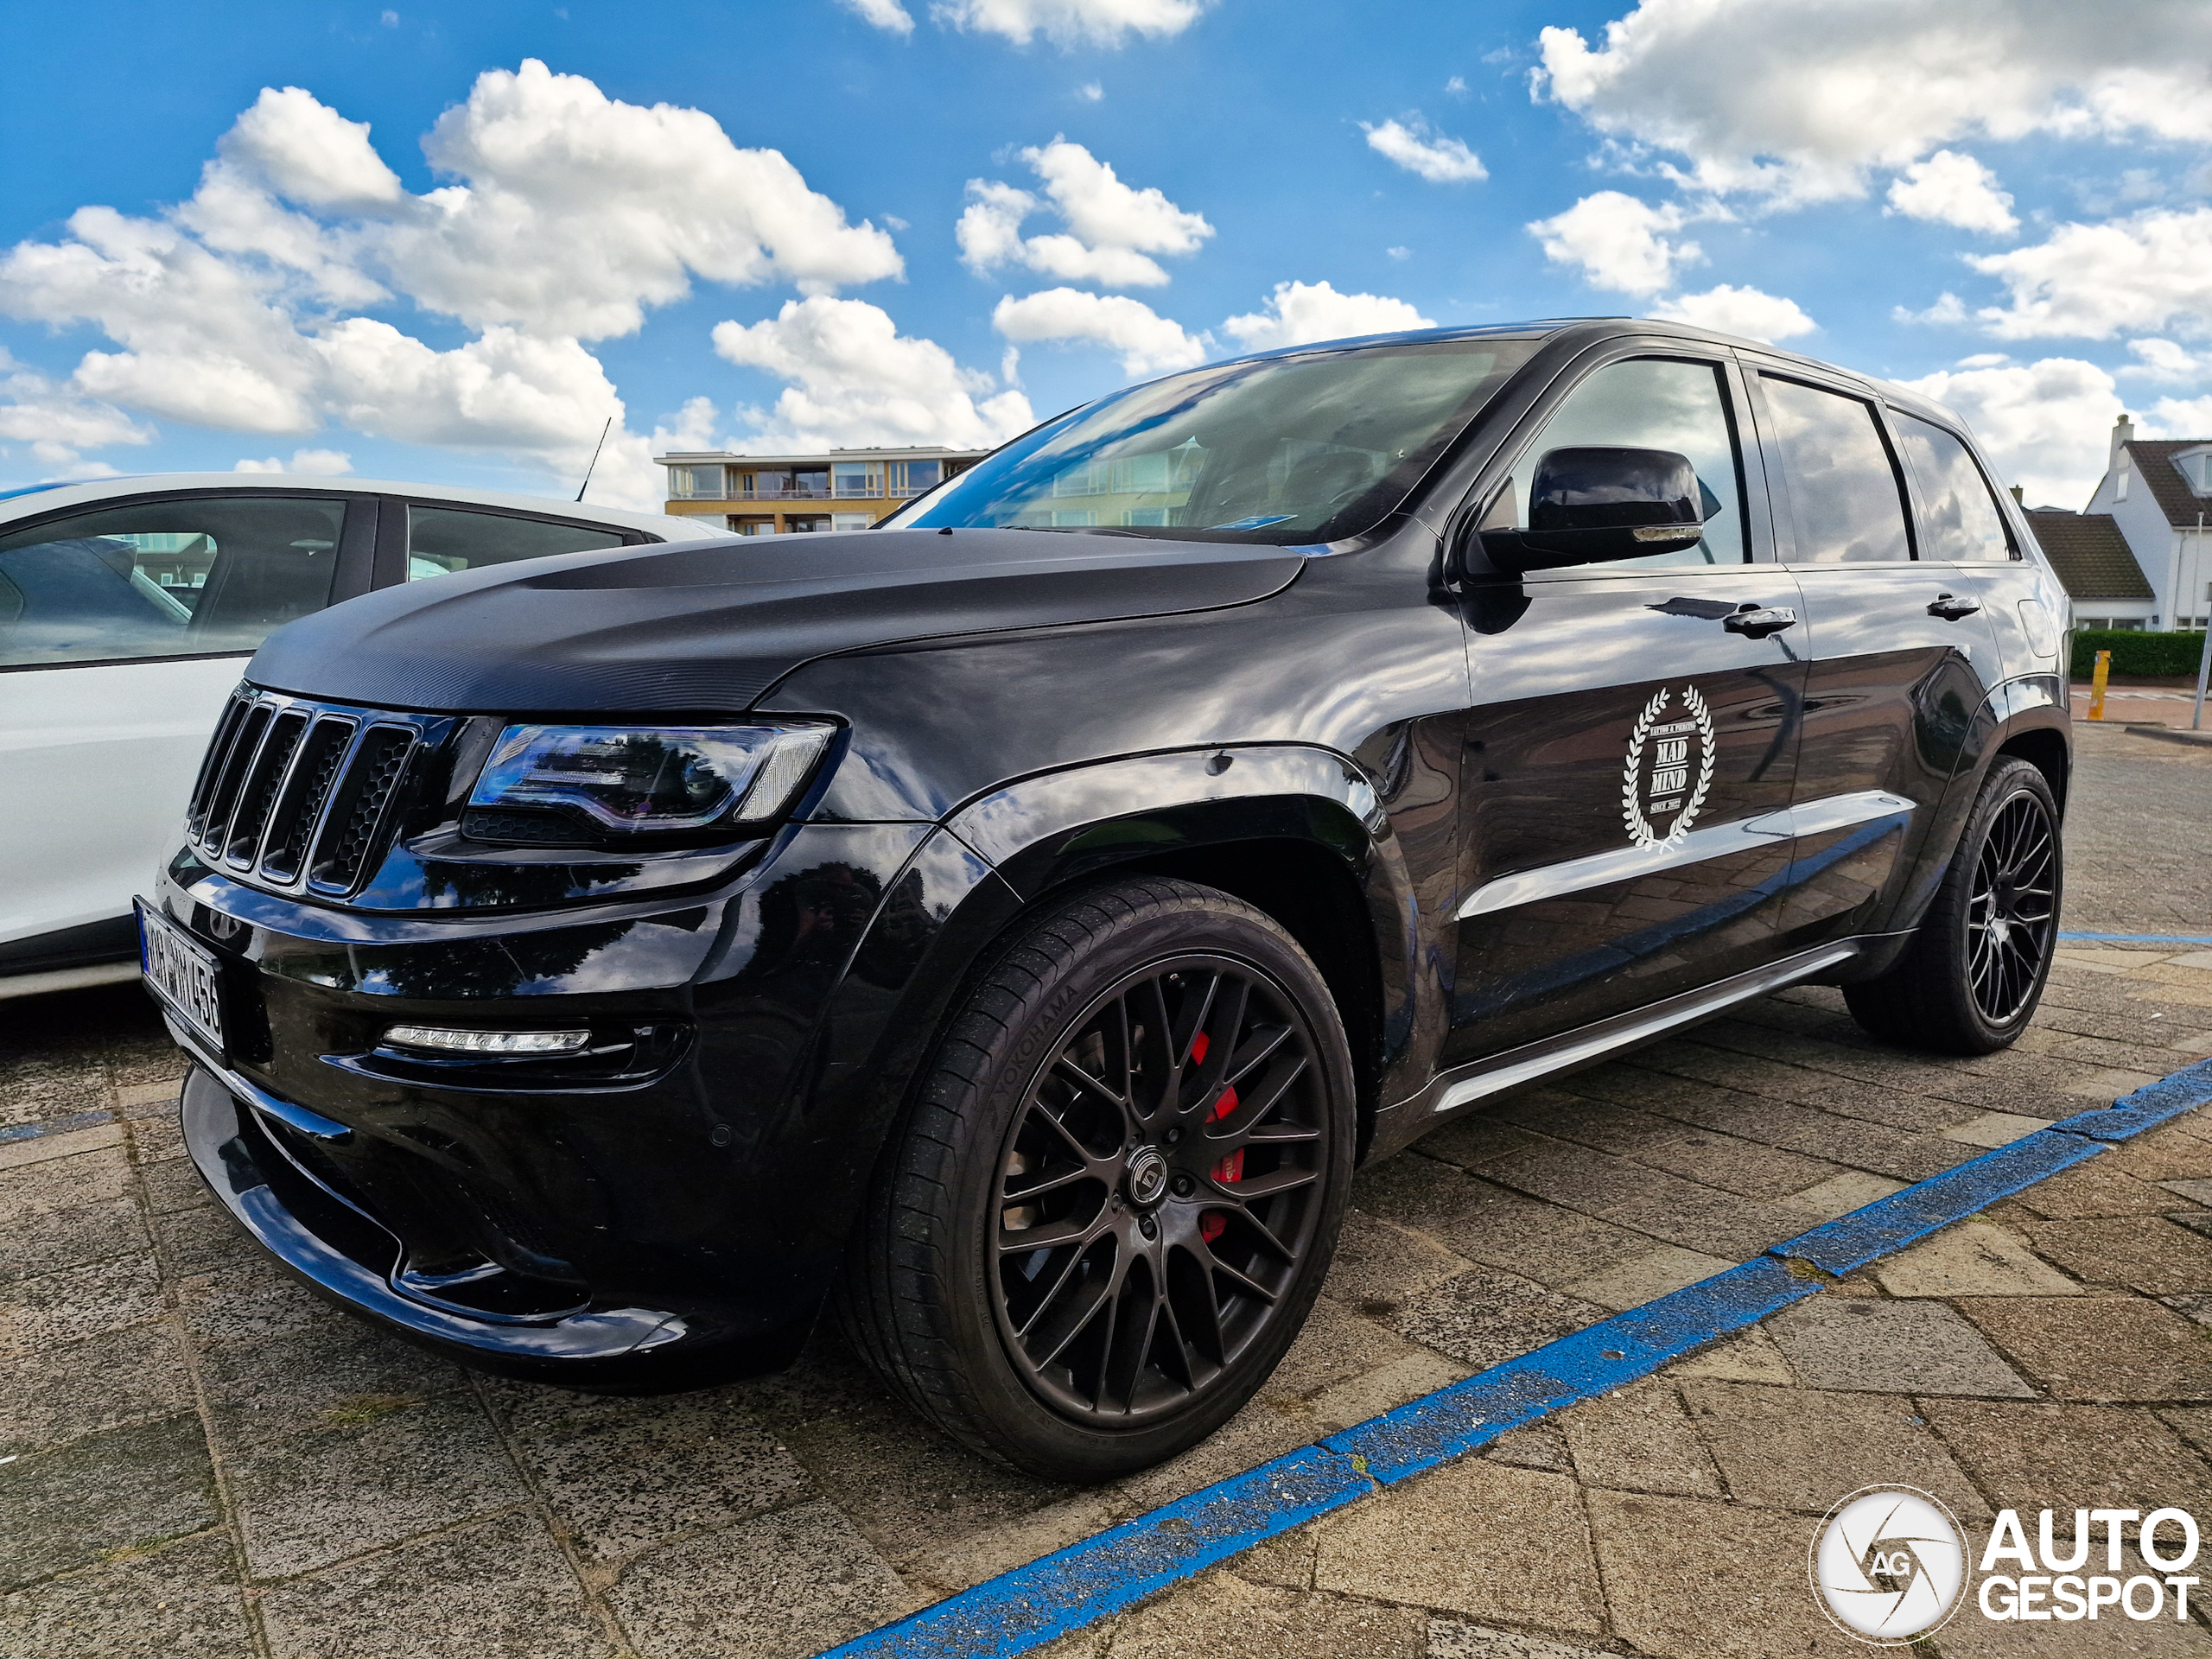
[1970, 980]
[1120, 1186]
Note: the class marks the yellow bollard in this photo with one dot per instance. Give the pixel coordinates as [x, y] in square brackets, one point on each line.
[2097, 685]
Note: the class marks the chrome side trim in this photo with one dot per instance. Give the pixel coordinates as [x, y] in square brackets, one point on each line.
[1844, 811]
[1715, 841]
[1491, 1076]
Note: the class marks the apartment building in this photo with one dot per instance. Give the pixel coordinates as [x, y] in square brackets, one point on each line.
[781, 495]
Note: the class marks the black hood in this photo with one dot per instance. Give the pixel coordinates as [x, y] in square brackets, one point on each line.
[711, 626]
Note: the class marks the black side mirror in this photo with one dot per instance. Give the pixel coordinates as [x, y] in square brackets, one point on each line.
[1590, 505]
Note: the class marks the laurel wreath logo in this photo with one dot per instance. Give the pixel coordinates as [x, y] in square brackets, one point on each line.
[1639, 828]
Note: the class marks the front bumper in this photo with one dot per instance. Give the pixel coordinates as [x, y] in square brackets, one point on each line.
[663, 1225]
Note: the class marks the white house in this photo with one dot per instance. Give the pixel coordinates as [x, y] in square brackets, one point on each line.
[2154, 504]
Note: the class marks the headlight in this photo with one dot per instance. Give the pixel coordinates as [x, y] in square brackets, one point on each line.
[546, 783]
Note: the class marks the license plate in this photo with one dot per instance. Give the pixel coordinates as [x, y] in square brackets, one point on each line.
[182, 974]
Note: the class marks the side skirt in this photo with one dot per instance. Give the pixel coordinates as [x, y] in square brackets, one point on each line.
[1587, 1044]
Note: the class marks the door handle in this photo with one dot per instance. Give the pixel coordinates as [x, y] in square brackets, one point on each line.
[1758, 620]
[1951, 607]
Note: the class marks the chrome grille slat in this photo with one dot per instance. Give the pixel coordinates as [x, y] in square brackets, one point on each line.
[218, 747]
[302, 796]
[222, 805]
[258, 798]
[307, 793]
[372, 776]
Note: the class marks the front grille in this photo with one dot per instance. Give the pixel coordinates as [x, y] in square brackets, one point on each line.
[295, 794]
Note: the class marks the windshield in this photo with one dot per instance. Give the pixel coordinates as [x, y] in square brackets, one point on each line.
[1312, 447]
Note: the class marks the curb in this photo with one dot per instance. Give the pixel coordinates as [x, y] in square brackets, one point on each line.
[1061, 1592]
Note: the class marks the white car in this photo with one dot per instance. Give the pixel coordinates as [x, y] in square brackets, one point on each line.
[128, 607]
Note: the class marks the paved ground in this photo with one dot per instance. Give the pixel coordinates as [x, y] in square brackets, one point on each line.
[202, 1460]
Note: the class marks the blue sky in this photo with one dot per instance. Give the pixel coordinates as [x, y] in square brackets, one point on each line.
[286, 290]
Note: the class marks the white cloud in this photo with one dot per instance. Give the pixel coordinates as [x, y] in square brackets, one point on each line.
[1399, 253]
[56, 421]
[1439, 159]
[853, 379]
[1800, 99]
[1948, 311]
[2152, 270]
[307, 463]
[1457, 85]
[1953, 189]
[886, 14]
[1148, 342]
[1620, 242]
[307, 153]
[1090, 92]
[566, 216]
[1745, 311]
[2046, 424]
[575, 211]
[2163, 360]
[1069, 23]
[1111, 227]
[2184, 418]
[1299, 312]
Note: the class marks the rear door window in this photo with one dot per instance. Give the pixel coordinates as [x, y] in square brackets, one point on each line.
[1959, 519]
[1845, 498]
[442, 541]
[178, 578]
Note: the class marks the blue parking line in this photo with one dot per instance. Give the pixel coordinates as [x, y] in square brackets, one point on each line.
[1060, 1594]
[2140, 938]
[56, 1126]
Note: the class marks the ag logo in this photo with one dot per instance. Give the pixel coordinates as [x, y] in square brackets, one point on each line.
[1669, 768]
[1888, 1566]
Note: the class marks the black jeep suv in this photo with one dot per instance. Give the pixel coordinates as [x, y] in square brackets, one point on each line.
[1011, 925]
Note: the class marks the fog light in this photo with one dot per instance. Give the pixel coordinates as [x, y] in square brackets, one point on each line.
[450, 1041]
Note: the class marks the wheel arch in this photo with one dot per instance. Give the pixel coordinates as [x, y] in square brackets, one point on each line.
[1296, 831]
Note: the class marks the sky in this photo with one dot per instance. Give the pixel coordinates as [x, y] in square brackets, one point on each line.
[455, 244]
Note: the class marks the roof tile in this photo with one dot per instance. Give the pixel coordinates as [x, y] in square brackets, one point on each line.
[2089, 554]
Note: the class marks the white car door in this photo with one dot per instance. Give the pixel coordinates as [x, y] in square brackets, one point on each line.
[122, 627]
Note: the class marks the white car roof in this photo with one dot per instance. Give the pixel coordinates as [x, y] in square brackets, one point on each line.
[44, 498]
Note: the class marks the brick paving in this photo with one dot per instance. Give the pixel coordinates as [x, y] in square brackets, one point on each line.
[202, 1459]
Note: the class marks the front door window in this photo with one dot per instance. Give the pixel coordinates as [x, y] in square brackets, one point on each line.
[164, 578]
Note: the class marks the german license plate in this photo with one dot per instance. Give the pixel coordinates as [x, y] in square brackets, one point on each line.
[182, 974]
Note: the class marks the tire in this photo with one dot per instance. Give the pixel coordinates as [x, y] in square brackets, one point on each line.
[1126, 1156]
[1970, 981]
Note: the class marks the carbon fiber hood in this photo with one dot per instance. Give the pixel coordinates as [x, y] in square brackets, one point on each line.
[711, 626]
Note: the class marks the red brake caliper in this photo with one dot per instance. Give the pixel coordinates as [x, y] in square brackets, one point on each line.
[1213, 1223]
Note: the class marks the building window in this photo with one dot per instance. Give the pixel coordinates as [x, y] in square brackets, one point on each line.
[753, 527]
[912, 477]
[850, 521]
[800, 523]
[695, 483]
[851, 480]
[2120, 484]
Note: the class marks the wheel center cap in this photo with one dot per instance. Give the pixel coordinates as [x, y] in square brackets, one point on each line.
[1147, 1177]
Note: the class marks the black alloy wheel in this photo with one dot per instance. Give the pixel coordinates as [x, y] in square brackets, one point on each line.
[2013, 910]
[1118, 1187]
[1970, 980]
[1160, 1189]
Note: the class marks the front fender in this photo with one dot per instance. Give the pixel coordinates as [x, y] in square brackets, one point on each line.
[1047, 831]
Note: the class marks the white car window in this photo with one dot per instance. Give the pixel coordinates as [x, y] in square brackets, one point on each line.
[444, 540]
[164, 578]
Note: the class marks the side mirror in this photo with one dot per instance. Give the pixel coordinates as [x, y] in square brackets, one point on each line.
[1591, 505]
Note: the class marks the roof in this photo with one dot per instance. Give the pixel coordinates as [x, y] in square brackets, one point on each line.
[2155, 460]
[817, 457]
[2089, 553]
[20, 504]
